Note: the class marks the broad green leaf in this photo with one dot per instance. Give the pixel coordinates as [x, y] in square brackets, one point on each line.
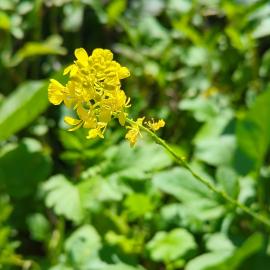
[115, 9]
[138, 205]
[83, 245]
[253, 135]
[22, 107]
[181, 184]
[4, 21]
[22, 167]
[52, 45]
[39, 227]
[170, 246]
[220, 259]
[198, 203]
[203, 109]
[216, 151]
[135, 163]
[63, 197]
[228, 180]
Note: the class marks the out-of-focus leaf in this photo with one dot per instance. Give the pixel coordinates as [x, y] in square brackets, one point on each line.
[227, 178]
[22, 107]
[51, 45]
[39, 227]
[73, 17]
[202, 108]
[198, 204]
[218, 151]
[213, 128]
[138, 205]
[22, 167]
[83, 245]
[63, 197]
[135, 163]
[4, 21]
[263, 29]
[220, 259]
[170, 246]
[114, 10]
[253, 135]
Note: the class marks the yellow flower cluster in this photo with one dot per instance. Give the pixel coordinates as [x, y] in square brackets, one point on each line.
[94, 93]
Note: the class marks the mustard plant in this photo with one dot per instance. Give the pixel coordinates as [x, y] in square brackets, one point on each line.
[94, 92]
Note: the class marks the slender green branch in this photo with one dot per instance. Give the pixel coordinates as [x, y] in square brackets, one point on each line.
[211, 186]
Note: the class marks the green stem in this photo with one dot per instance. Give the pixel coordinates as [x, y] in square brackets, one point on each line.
[211, 186]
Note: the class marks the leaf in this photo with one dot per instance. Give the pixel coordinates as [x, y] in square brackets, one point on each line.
[138, 205]
[114, 10]
[181, 184]
[63, 197]
[135, 163]
[22, 107]
[203, 109]
[170, 246]
[253, 135]
[228, 180]
[198, 203]
[39, 227]
[83, 245]
[220, 259]
[22, 167]
[4, 21]
[216, 151]
[51, 45]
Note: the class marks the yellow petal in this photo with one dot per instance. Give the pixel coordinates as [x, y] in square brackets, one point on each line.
[122, 118]
[72, 121]
[93, 133]
[82, 56]
[82, 113]
[55, 92]
[123, 72]
[72, 69]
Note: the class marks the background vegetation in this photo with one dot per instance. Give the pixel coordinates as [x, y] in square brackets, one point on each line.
[70, 203]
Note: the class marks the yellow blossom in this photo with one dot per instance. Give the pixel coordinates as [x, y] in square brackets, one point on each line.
[93, 91]
[134, 131]
[156, 125]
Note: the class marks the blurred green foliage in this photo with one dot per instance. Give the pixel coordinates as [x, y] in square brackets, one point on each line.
[70, 203]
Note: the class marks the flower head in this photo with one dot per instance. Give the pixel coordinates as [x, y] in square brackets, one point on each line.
[94, 92]
[156, 125]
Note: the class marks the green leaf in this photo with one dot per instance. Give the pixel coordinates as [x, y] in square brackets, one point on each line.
[22, 167]
[220, 259]
[52, 45]
[135, 163]
[83, 245]
[203, 109]
[22, 107]
[39, 227]
[114, 10]
[253, 135]
[216, 151]
[181, 184]
[138, 205]
[63, 197]
[198, 203]
[170, 246]
[228, 180]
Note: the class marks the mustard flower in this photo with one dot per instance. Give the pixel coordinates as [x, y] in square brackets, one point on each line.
[154, 126]
[134, 131]
[94, 92]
